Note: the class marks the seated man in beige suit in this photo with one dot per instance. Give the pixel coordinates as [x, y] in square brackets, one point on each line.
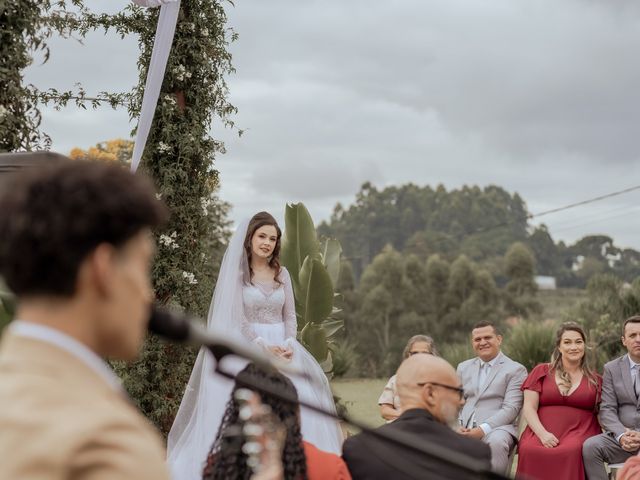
[492, 382]
[75, 248]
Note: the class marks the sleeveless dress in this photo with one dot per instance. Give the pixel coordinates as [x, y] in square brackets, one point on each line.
[270, 319]
[572, 419]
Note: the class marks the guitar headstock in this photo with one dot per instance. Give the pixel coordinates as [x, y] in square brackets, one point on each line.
[262, 436]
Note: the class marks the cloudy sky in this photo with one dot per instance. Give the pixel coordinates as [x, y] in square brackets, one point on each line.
[538, 97]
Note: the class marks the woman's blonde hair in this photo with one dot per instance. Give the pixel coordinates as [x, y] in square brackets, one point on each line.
[556, 359]
[420, 338]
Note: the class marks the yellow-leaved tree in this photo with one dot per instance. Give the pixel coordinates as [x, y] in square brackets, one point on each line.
[116, 150]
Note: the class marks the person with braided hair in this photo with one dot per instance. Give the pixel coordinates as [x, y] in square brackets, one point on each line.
[300, 460]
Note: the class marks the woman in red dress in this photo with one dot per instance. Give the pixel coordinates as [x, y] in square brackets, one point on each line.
[560, 407]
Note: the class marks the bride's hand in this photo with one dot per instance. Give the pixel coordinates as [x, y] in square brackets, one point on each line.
[276, 350]
[287, 353]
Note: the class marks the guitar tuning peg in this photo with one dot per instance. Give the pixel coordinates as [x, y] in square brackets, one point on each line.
[245, 413]
[252, 448]
[252, 430]
[243, 394]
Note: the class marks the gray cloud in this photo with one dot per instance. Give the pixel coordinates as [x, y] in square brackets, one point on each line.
[538, 97]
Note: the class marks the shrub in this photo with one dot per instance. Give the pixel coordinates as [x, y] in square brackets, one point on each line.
[455, 353]
[345, 358]
[530, 343]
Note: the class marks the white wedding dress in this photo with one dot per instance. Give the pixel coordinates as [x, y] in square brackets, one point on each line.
[264, 314]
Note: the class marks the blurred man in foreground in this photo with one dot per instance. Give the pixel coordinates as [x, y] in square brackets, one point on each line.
[76, 249]
[431, 398]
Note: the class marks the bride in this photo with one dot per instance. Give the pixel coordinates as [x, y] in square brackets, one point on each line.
[253, 301]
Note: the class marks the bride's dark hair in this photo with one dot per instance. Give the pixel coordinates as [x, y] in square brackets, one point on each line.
[228, 461]
[261, 219]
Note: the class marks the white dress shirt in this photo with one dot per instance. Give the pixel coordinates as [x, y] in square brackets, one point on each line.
[485, 371]
[70, 345]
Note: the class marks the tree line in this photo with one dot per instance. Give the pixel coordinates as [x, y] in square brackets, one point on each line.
[481, 223]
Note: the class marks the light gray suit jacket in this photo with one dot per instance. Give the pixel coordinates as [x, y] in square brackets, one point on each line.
[499, 401]
[619, 408]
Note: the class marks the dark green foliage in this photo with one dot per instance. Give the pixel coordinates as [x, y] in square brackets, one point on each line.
[481, 223]
[608, 303]
[530, 342]
[424, 221]
[521, 289]
[345, 358]
[26, 25]
[179, 156]
[401, 296]
[456, 353]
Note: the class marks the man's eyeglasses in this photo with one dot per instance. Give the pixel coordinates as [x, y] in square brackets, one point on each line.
[460, 391]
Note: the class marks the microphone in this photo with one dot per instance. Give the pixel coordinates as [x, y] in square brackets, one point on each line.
[181, 328]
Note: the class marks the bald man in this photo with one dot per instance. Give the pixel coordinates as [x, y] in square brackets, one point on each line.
[431, 397]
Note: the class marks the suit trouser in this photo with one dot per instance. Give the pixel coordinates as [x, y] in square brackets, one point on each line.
[501, 443]
[599, 450]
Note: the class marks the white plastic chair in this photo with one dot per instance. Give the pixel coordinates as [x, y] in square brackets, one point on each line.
[613, 469]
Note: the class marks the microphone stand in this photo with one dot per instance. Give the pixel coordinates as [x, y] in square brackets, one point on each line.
[446, 455]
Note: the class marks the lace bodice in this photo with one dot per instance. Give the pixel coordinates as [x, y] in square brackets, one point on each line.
[269, 303]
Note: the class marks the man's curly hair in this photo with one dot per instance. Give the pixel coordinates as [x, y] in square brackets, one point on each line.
[226, 459]
[53, 216]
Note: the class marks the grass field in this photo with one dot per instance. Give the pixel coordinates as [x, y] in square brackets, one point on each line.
[556, 303]
[360, 397]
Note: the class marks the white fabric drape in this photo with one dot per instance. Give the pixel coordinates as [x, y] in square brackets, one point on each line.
[154, 3]
[161, 47]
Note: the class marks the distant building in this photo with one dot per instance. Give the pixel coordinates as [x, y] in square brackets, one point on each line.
[577, 264]
[545, 283]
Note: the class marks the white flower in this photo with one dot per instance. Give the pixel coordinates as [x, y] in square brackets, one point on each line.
[204, 203]
[3, 111]
[163, 147]
[158, 196]
[191, 26]
[205, 32]
[190, 277]
[179, 72]
[169, 241]
[170, 100]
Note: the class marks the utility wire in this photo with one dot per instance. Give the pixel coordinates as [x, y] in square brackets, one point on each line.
[584, 202]
[530, 216]
[596, 220]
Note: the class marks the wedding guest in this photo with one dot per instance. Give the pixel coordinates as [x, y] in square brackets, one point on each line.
[560, 406]
[300, 459]
[619, 414]
[431, 398]
[76, 249]
[389, 402]
[494, 399]
[630, 470]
